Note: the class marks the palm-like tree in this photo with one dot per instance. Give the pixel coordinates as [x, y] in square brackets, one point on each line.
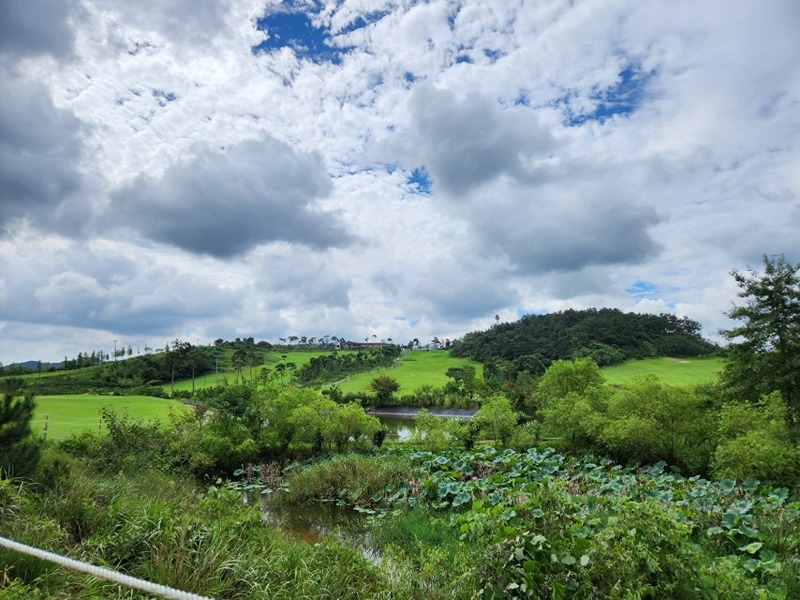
[239, 359]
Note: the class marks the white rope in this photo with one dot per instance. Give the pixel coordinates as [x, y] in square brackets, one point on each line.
[140, 584]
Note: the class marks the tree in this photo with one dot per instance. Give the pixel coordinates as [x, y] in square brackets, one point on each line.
[754, 442]
[648, 420]
[496, 419]
[764, 354]
[19, 451]
[239, 359]
[384, 387]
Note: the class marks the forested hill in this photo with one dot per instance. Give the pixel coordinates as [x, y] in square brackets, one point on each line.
[606, 335]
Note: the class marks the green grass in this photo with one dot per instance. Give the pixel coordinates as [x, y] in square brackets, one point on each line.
[416, 369]
[674, 371]
[299, 358]
[422, 367]
[75, 413]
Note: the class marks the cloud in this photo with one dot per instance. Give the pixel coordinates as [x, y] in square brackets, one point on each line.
[567, 227]
[467, 143]
[456, 161]
[30, 27]
[225, 201]
[68, 284]
[524, 194]
[40, 154]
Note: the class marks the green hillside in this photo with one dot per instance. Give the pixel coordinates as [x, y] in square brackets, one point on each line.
[607, 336]
[674, 371]
[70, 414]
[417, 368]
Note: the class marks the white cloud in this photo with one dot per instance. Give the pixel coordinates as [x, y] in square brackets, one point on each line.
[160, 179]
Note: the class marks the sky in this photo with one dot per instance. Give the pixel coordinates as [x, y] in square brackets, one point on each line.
[398, 169]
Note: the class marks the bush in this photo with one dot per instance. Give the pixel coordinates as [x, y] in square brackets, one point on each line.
[353, 478]
[755, 442]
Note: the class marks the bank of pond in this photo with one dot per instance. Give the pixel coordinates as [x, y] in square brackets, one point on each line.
[406, 523]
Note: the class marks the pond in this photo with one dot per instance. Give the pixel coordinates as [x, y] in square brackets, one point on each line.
[311, 523]
[400, 420]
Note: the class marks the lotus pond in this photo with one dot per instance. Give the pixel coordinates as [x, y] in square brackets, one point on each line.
[541, 524]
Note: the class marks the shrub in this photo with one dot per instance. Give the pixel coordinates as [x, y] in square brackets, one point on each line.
[754, 442]
[353, 478]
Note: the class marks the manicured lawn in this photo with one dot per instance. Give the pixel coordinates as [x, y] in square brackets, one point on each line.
[675, 371]
[417, 368]
[76, 413]
[299, 358]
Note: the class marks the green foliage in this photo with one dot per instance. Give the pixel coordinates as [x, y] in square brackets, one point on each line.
[426, 554]
[496, 419]
[136, 375]
[572, 398]
[642, 421]
[566, 528]
[165, 530]
[432, 432]
[350, 479]
[385, 388]
[19, 450]
[755, 442]
[339, 365]
[764, 355]
[607, 336]
[647, 421]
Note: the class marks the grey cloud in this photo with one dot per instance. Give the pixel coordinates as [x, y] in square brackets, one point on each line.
[599, 231]
[79, 290]
[40, 148]
[489, 162]
[467, 143]
[29, 27]
[567, 225]
[185, 20]
[302, 279]
[225, 202]
[589, 281]
[455, 292]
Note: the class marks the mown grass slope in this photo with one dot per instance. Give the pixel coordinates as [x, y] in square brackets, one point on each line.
[674, 371]
[417, 368]
[70, 414]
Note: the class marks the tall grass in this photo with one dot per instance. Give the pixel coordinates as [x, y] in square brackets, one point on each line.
[165, 529]
[359, 477]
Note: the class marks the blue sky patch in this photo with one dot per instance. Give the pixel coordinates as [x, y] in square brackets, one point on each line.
[296, 30]
[493, 55]
[163, 97]
[623, 98]
[362, 21]
[421, 180]
[643, 289]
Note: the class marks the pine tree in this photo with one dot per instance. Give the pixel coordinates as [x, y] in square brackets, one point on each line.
[764, 355]
[19, 451]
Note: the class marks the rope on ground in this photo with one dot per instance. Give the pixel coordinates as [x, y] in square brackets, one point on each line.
[139, 584]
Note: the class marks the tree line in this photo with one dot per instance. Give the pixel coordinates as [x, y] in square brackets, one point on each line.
[607, 336]
[336, 366]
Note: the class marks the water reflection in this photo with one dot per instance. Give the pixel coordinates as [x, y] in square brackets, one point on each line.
[400, 421]
[313, 522]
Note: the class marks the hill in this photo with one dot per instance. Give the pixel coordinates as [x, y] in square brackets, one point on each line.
[674, 371]
[415, 369]
[608, 336]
